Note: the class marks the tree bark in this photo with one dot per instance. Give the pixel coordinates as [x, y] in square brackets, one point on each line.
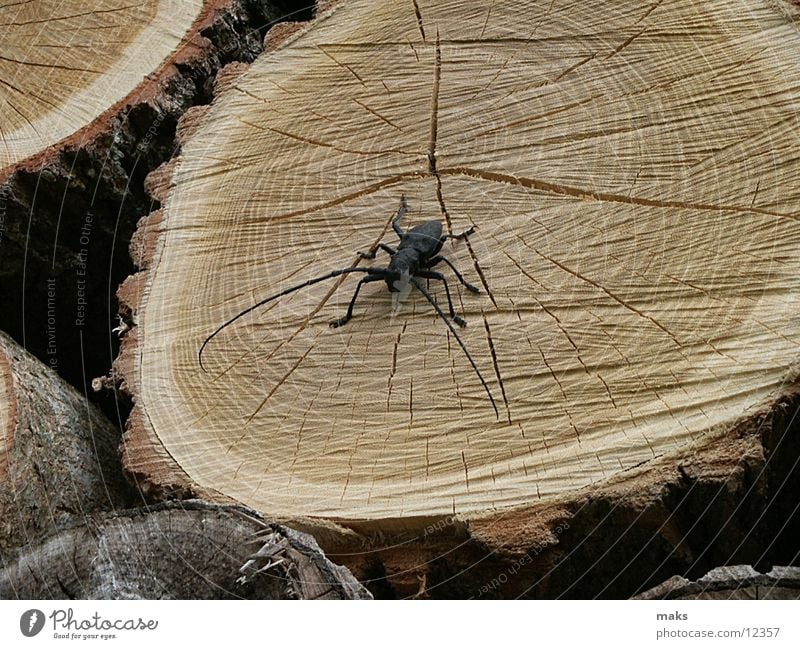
[58, 453]
[188, 550]
[630, 175]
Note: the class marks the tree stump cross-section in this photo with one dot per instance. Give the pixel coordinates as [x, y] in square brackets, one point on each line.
[631, 175]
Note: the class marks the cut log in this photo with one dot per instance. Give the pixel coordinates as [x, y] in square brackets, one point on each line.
[58, 453]
[189, 550]
[631, 175]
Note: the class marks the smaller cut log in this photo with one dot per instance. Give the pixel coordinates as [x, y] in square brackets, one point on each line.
[186, 550]
[97, 62]
[731, 582]
[89, 97]
[58, 453]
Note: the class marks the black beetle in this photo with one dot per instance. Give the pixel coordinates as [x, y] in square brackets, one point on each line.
[413, 259]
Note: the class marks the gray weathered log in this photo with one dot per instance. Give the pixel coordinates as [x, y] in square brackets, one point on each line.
[185, 550]
[731, 582]
[58, 453]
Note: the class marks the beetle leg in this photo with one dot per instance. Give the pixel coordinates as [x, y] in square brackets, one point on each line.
[429, 274]
[440, 313]
[439, 258]
[346, 318]
[382, 246]
[400, 214]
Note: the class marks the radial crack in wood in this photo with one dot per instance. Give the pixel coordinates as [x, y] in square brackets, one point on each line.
[631, 175]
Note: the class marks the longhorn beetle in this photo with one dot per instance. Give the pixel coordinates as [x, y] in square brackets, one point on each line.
[411, 261]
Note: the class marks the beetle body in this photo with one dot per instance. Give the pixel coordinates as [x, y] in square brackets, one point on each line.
[417, 247]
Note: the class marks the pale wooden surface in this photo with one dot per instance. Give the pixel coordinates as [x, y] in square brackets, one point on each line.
[632, 174]
[64, 62]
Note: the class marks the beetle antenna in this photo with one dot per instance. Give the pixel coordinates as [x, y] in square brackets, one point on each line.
[291, 289]
[458, 338]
